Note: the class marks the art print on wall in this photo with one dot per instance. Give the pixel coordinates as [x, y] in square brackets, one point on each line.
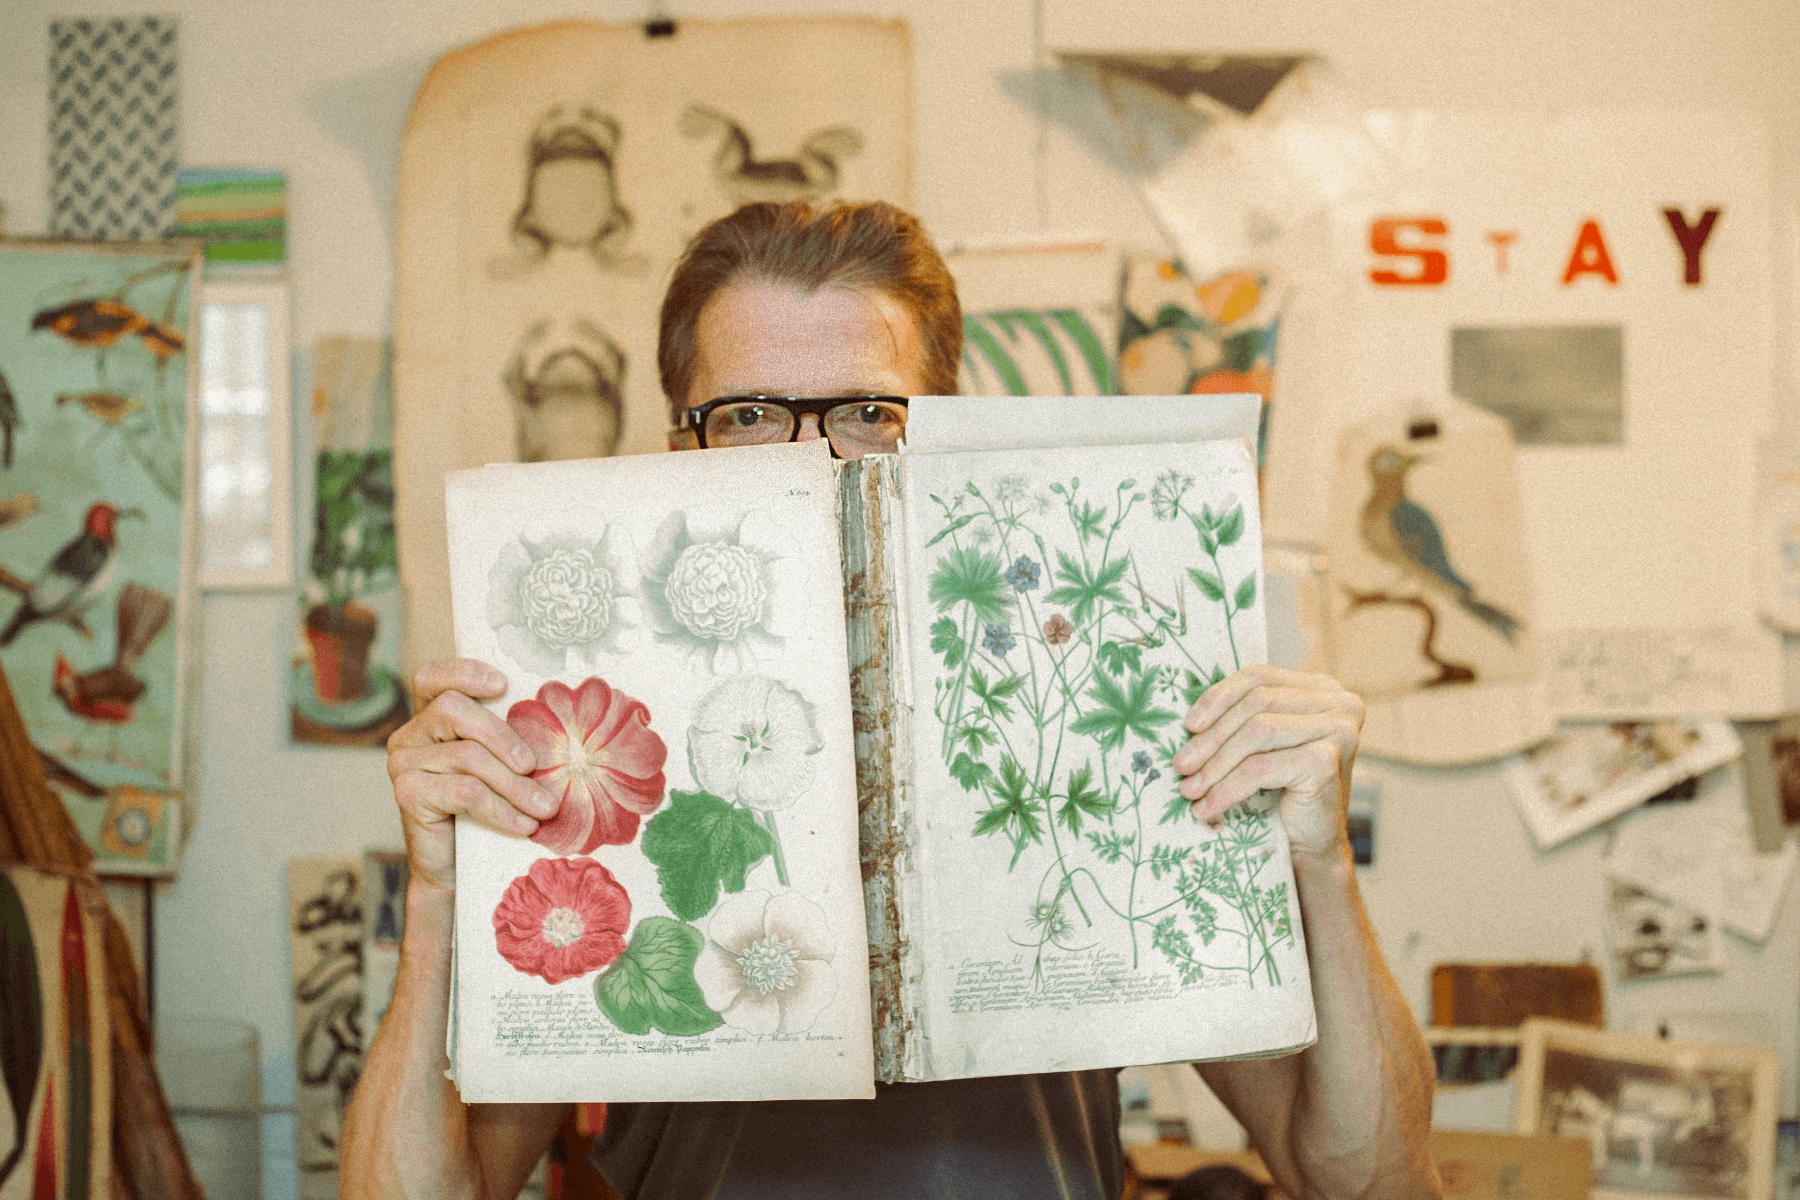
[345, 687]
[97, 403]
[1663, 1118]
[536, 231]
[325, 931]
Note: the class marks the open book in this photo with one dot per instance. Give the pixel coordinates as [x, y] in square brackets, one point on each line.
[893, 804]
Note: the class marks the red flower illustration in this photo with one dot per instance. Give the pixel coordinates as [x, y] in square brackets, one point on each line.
[595, 749]
[564, 918]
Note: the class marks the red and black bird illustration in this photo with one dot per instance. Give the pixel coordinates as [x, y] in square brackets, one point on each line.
[745, 178]
[79, 574]
[108, 694]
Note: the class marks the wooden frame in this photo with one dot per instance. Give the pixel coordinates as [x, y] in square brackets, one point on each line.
[1665, 1118]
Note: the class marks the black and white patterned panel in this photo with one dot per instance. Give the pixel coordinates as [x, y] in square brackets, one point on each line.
[114, 127]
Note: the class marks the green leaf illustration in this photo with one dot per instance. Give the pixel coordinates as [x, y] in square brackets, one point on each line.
[993, 697]
[1119, 710]
[1232, 527]
[1121, 657]
[1208, 583]
[969, 772]
[946, 640]
[1084, 593]
[951, 528]
[1246, 594]
[1083, 798]
[651, 985]
[1016, 811]
[699, 843]
[1088, 520]
[1179, 806]
[976, 735]
[1194, 686]
[970, 576]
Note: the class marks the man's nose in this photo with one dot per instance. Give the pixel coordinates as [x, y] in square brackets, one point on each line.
[809, 428]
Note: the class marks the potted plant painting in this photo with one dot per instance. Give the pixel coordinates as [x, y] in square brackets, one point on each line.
[353, 554]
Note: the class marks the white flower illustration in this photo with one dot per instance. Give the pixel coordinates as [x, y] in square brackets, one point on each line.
[765, 967]
[726, 590]
[563, 593]
[752, 741]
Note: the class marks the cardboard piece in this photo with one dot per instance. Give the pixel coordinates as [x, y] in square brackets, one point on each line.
[1508, 1166]
[549, 178]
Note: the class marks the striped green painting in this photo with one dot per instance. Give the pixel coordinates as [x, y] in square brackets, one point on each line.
[1037, 352]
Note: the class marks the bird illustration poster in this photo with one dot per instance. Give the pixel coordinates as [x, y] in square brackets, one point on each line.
[1427, 593]
[344, 685]
[1601, 281]
[55, 1037]
[549, 179]
[96, 517]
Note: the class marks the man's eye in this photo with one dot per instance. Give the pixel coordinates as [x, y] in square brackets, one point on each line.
[749, 415]
[871, 414]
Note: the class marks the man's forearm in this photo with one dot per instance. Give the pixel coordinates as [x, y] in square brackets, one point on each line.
[1350, 1116]
[408, 1132]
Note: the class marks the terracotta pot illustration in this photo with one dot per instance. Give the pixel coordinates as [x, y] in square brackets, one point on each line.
[340, 640]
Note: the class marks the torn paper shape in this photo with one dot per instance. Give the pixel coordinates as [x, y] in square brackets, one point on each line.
[1653, 937]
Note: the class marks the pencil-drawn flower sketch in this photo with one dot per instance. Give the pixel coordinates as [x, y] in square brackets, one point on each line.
[766, 965]
[596, 750]
[562, 919]
[753, 741]
[561, 594]
[729, 591]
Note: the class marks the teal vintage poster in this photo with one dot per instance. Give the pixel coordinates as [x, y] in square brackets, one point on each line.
[96, 403]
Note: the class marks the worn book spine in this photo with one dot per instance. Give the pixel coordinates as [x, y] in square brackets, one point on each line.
[873, 557]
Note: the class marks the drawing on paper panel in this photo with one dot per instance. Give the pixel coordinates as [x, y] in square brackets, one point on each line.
[1066, 667]
[570, 198]
[756, 959]
[567, 384]
[812, 172]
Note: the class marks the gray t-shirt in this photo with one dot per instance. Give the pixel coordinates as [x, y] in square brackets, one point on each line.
[1010, 1137]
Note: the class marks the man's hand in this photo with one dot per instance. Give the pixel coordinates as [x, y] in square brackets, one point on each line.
[1268, 727]
[455, 757]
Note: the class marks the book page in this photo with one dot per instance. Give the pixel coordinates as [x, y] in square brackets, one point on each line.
[1066, 608]
[690, 925]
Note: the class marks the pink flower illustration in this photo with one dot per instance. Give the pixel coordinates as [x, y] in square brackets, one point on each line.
[1058, 630]
[563, 918]
[595, 749]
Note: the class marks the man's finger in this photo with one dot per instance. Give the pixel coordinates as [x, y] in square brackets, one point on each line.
[453, 716]
[1258, 700]
[1262, 733]
[473, 759]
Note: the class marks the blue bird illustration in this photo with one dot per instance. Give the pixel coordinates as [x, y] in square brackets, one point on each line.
[1403, 533]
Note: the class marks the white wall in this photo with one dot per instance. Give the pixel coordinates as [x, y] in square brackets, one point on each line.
[320, 91]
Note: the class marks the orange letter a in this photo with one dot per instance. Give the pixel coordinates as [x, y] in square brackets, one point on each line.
[1589, 257]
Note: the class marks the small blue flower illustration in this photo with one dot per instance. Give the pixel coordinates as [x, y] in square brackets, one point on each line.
[1140, 762]
[1023, 574]
[1152, 777]
[999, 639]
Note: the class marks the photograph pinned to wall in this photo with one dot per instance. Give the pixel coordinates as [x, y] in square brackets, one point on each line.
[98, 500]
[1653, 935]
[1038, 319]
[1663, 1118]
[1181, 335]
[325, 922]
[1556, 385]
[1771, 779]
[526, 303]
[56, 1049]
[1427, 600]
[1702, 852]
[115, 126]
[344, 686]
[1588, 774]
[1467, 1057]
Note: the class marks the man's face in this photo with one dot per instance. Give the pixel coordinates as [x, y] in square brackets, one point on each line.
[754, 338]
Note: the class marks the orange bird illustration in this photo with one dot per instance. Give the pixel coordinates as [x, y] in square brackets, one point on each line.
[109, 693]
[98, 324]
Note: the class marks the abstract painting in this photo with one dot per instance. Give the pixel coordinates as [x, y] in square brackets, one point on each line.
[96, 509]
[536, 231]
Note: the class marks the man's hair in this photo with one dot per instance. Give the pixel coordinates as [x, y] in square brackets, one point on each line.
[867, 245]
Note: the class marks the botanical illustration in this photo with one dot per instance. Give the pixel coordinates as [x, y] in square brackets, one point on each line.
[345, 689]
[1066, 665]
[564, 595]
[727, 592]
[757, 960]
[94, 397]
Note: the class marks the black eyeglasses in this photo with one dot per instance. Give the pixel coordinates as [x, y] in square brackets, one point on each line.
[854, 425]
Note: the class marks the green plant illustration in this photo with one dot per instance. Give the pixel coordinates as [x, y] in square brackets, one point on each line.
[1067, 662]
[651, 985]
[354, 551]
